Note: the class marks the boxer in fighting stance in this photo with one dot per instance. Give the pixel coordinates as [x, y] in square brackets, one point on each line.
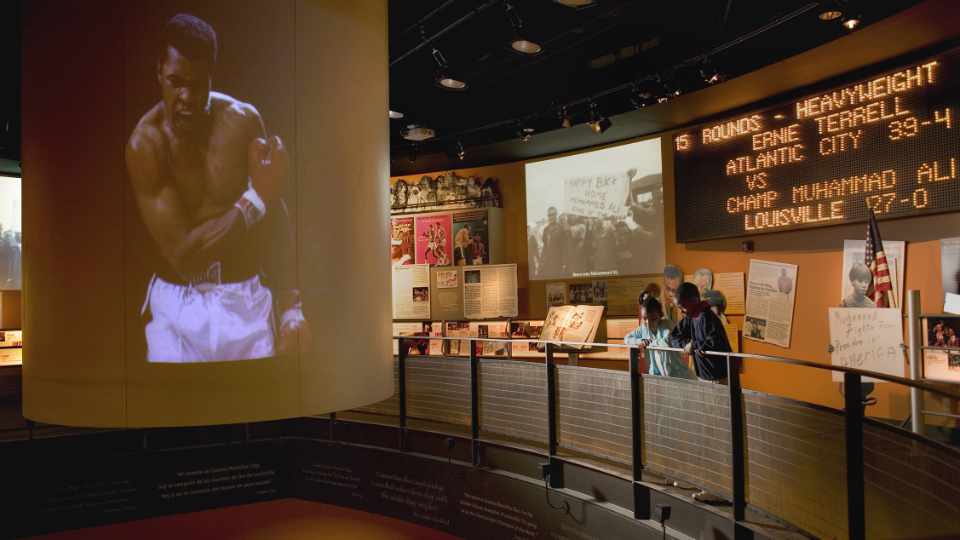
[207, 182]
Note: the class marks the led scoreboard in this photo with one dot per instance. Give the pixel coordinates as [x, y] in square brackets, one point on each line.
[890, 143]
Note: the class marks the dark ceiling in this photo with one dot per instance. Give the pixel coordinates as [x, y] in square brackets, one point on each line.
[592, 52]
[610, 52]
[10, 86]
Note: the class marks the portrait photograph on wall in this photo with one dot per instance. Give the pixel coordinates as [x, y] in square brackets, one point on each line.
[596, 214]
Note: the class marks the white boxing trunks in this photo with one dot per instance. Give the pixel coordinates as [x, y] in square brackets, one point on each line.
[209, 323]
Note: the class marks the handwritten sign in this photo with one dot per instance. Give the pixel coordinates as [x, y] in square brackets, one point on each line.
[596, 196]
[867, 338]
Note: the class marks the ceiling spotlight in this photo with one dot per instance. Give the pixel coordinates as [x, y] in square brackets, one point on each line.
[577, 4]
[395, 115]
[640, 97]
[601, 125]
[830, 11]
[668, 90]
[709, 73]
[520, 43]
[598, 122]
[564, 117]
[461, 153]
[443, 76]
[524, 132]
[525, 46]
[417, 133]
[850, 23]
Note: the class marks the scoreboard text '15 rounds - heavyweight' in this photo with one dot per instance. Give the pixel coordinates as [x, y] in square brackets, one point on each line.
[888, 143]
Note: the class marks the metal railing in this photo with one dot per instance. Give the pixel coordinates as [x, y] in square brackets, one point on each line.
[853, 412]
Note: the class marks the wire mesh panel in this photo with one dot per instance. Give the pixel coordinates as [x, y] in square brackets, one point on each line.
[911, 486]
[513, 399]
[389, 406]
[594, 412]
[796, 463]
[438, 389]
[686, 430]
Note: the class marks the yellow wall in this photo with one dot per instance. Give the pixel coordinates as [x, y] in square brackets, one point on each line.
[817, 253]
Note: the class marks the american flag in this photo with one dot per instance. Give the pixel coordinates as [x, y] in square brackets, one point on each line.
[881, 289]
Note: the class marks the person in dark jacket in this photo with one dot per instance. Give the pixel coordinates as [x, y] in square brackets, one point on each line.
[701, 330]
[698, 331]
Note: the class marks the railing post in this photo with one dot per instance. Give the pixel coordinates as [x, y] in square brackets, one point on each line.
[737, 439]
[853, 407]
[915, 337]
[641, 494]
[402, 389]
[554, 467]
[474, 406]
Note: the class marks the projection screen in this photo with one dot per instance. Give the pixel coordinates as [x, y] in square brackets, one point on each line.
[597, 213]
[195, 176]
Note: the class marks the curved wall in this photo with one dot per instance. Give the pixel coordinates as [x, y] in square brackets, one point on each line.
[128, 205]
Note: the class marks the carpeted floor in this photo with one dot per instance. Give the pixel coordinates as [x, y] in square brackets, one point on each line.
[286, 519]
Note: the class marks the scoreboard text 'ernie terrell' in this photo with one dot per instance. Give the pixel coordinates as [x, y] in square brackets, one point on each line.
[887, 143]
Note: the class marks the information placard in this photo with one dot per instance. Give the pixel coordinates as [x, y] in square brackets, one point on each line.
[490, 291]
[411, 291]
[771, 292]
[885, 143]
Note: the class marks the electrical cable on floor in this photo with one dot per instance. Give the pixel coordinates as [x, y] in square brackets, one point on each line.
[546, 493]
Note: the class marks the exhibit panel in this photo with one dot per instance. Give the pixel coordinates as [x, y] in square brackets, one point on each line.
[220, 274]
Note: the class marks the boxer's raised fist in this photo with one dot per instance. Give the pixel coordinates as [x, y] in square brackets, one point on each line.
[267, 163]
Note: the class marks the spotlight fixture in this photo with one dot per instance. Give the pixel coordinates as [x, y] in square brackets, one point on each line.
[598, 122]
[852, 22]
[444, 76]
[668, 92]
[520, 43]
[640, 96]
[461, 153]
[417, 133]
[830, 11]
[525, 133]
[709, 73]
[564, 117]
[576, 4]
[395, 115]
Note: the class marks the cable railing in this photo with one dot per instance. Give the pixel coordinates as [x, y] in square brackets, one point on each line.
[658, 430]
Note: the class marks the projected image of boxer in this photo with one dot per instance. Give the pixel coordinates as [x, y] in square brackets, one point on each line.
[208, 182]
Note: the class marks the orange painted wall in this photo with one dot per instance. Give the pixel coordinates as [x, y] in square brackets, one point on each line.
[817, 253]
